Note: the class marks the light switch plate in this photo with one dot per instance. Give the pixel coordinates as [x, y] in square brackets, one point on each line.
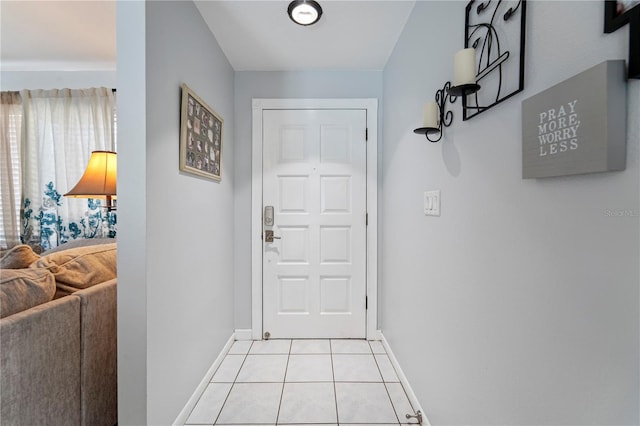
[432, 203]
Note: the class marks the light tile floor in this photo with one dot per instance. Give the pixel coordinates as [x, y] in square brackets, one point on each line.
[302, 382]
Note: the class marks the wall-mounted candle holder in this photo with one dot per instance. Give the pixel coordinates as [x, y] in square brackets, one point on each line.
[494, 37]
[435, 114]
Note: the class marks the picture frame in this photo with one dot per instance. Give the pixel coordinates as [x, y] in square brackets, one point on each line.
[618, 13]
[201, 131]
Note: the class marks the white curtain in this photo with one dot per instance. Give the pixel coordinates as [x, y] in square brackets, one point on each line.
[10, 137]
[61, 129]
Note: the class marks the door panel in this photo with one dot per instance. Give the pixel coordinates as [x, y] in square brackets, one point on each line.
[314, 174]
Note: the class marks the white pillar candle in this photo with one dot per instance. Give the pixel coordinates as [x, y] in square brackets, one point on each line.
[430, 115]
[464, 67]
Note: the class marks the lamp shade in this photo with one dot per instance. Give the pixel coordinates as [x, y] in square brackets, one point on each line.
[99, 178]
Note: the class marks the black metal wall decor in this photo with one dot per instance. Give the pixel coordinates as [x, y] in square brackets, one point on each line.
[619, 13]
[493, 54]
[496, 30]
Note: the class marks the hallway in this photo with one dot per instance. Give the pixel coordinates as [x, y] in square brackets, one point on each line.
[295, 382]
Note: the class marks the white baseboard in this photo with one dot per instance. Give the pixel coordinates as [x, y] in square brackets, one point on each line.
[405, 383]
[195, 397]
[247, 334]
[377, 335]
[244, 334]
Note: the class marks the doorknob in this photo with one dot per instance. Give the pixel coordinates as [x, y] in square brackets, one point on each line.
[268, 236]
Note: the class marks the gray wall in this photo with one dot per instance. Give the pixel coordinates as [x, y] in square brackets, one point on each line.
[132, 213]
[255, 84]
[519, 305]
[176, 290]
[18, 80]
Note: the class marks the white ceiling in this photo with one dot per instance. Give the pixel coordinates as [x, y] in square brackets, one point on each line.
[57, 35]
[258, 35]
[254, 35]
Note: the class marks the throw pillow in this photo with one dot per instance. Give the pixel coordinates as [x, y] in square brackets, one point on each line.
[18, 257]
[22, 289]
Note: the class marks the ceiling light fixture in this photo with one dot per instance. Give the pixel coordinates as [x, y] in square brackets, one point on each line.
[304, 12]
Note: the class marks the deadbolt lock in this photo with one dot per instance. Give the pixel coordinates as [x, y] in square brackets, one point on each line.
[269, 237]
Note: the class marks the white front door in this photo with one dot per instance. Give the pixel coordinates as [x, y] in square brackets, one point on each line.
[314, 177]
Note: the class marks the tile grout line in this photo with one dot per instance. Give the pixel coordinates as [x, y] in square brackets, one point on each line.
[284, 380]
[395, 413]
[335, 390]
[211, 382]
[409, 401]
[234, 381]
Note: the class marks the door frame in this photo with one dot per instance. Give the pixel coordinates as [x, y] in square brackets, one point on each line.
[371, 107]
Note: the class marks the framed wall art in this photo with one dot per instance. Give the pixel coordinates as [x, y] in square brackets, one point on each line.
[200, 137]
[621, 12]
[496, 30]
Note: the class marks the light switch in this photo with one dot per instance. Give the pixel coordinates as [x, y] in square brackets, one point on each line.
[432, 203]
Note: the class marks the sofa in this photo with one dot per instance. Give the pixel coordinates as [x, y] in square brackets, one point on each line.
[58, 335]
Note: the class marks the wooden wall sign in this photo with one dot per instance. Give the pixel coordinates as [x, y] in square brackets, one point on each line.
[577, 126]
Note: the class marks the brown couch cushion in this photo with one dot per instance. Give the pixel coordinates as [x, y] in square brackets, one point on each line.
[18, 257]
[40, 365]
[82, 267]
[22, 289]
[80, 242]
[98, 354]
